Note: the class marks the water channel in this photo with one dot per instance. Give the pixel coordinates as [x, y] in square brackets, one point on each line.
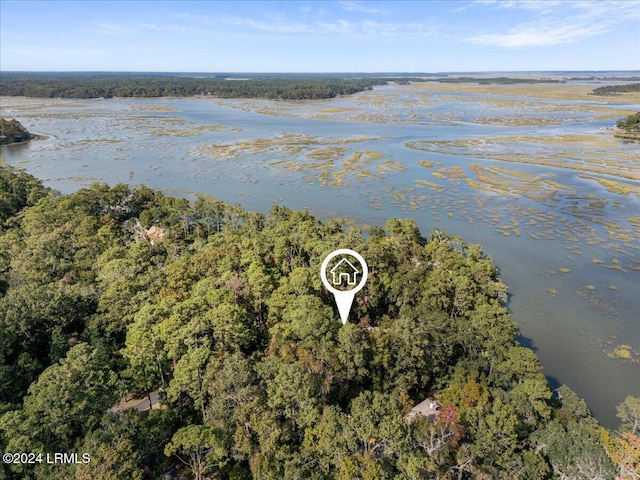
[549, 194]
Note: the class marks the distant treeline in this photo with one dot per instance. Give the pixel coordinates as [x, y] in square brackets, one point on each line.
[497, 80]
[404, 80]
[607, 79]
[108, 85]
[269, 86]
[611, 90]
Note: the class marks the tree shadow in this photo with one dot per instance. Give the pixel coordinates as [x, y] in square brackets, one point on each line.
[554, 383]
[526, 342]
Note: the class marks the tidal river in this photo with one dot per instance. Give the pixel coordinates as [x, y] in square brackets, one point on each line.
[531, 173]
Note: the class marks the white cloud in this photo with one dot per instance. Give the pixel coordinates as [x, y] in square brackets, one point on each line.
[339, 27]
[354, 6]
[275, 26]
[556, 22]
[375, 30]
[121, 29]
[361, 28]
[53, 52]
[539, 35]
[111, 29]
[535, 5]
[182, 16]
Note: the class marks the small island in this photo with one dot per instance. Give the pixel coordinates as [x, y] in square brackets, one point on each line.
[12, 131]
[614, 90]
[628, 127]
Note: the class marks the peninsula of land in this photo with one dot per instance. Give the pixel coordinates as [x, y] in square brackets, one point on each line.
[12, 131]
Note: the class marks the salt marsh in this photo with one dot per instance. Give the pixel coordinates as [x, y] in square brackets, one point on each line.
[527, 171]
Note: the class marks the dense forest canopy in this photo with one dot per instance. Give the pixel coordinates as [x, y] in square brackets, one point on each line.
[117, 291]
[612, 90]
[252, 85]
[108, 85]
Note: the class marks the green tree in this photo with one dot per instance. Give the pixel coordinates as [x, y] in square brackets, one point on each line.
[234, 399]
[291, 392]
[520, 373]
[188, 377]
[18, 190]
[144, 351]
[495, 437]
[575, 450]
[630, 123]
[376, 427]
[128, 278]
[422, 345]
[116, 460]
[571, 441]
[325, 445]
[198, 447]
[629, 413]
[623, 446]
[65, 403]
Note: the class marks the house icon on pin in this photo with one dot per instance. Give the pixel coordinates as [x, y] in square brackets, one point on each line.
[344, 270]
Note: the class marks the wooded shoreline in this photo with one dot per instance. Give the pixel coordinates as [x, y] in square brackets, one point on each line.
[12, 133]
[86, 85]
[223, 318]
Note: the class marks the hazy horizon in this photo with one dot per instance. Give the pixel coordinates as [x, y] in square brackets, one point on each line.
[368, 73]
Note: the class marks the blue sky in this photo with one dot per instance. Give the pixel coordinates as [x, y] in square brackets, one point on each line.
[315, 36]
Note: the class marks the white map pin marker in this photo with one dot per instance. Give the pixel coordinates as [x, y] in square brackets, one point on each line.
[347, 272]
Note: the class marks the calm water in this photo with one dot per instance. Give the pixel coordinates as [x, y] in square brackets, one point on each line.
[560, 217]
